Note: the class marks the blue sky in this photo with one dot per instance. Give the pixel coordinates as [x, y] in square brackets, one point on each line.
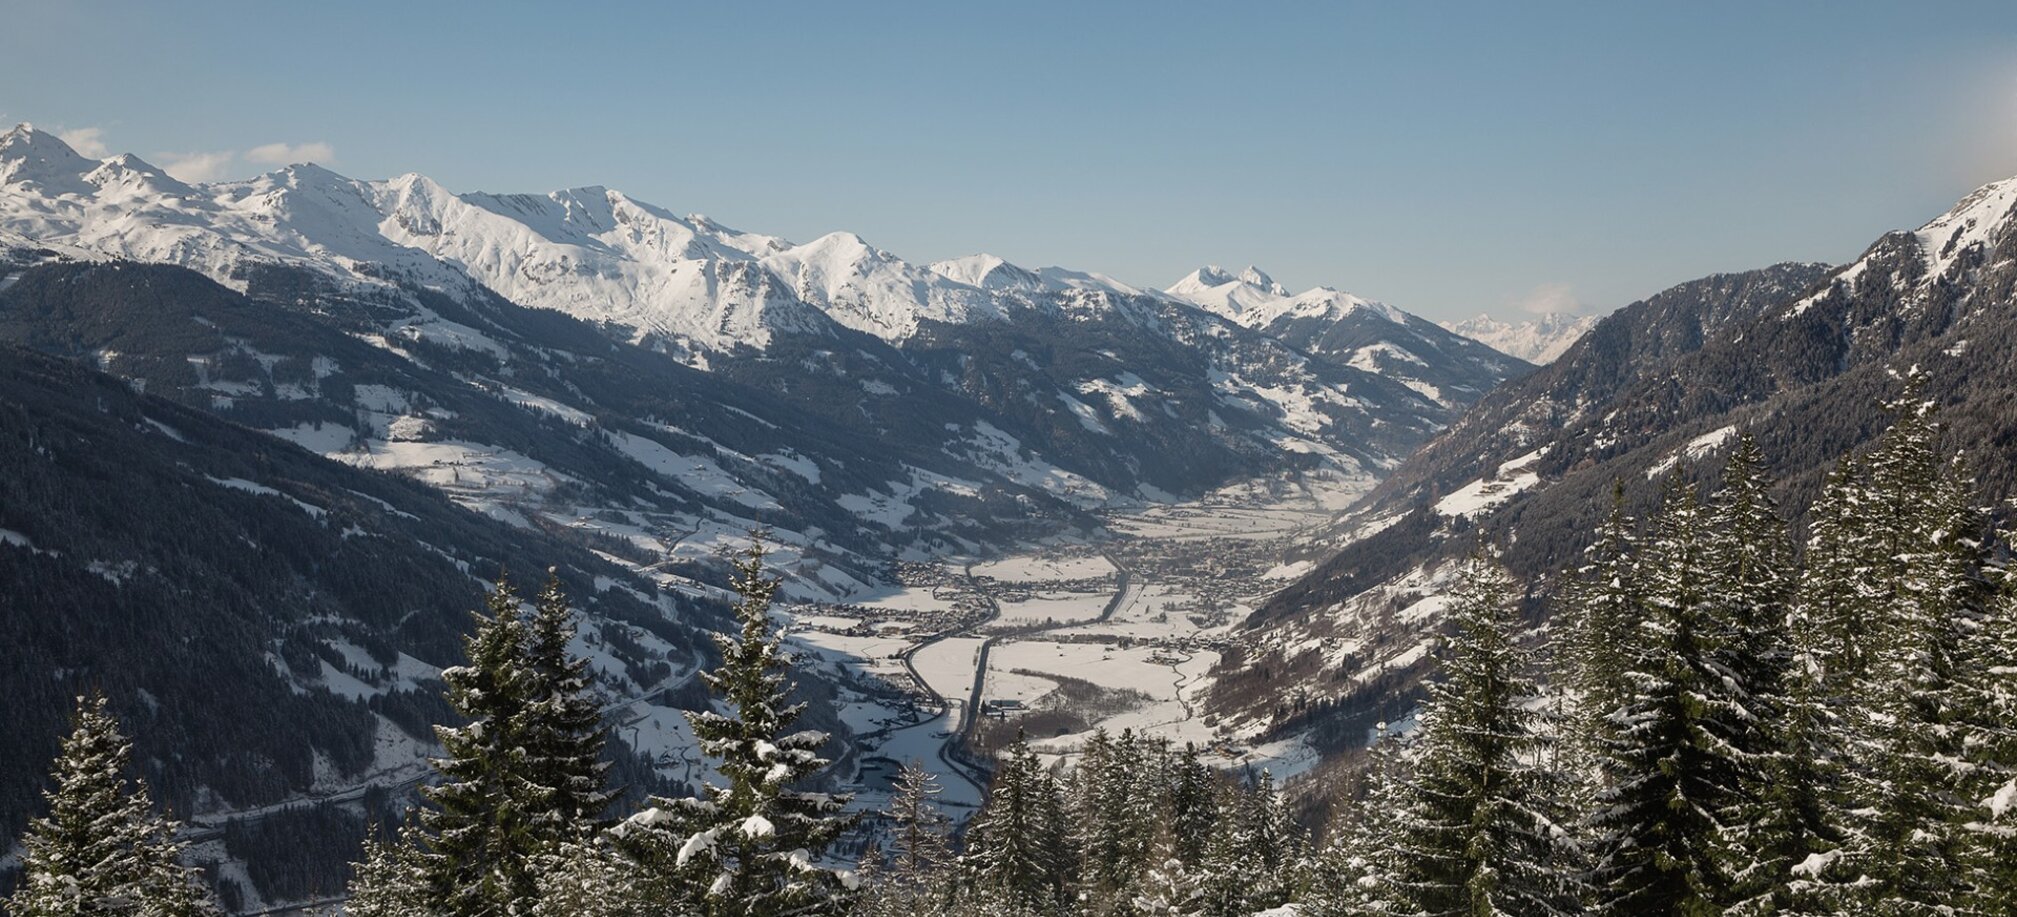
[1449, 158]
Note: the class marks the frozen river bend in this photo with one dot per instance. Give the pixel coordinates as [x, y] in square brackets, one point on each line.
[1058, 640]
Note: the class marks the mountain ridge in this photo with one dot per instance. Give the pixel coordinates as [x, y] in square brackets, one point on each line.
[1802, 355]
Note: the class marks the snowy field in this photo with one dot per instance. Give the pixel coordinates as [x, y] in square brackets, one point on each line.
[948, 667]
[907, 599]
[1046, 568]
[1057, 608]
[1041, 610]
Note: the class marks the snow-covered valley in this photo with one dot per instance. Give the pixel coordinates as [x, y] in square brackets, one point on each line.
[967, 649]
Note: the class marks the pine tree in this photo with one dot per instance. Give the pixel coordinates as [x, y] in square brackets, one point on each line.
[1280, 840]
[1167, 887]
[1918, 584]
[592, 877]
[1354, 876]
[751, 844]
[390, 881]
[1831, 633]
[1119, 804]
[479, 836]
[1018, 845]
[1234, 878]
[1991, 748]
[1479, 837]
[1776, 820]
[1194, 810]
[914, 878]
[1601, 614]
[101, 850]
[1670, 773]
[565, 785]
[1251, 861]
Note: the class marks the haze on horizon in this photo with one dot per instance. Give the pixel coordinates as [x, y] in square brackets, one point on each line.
[1448, 160]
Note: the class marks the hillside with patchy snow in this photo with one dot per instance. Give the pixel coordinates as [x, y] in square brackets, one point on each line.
[983, 380]
[1802, 356]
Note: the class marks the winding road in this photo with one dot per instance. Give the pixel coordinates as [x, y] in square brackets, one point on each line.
[957, 764]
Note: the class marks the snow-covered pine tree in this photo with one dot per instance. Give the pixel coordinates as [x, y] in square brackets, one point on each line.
[1919, 558]
[1830, 608]
[1478, 835]
[1167, 887]
[565, 787]
[1669, 773]
[1280, 840]
[1165, 892]
[1353, 875]
[592, 877]
[478, 837]
[1061, 858]
[914, 878]
[751, 844]
[1831, 631]
[1119, 803]
[1096, 798]
[101, 850]
[1991, 747]
[1600, 613]
[1250, 862]
[1234, 876]
[1018, 845]
[390, 881]
[1194, 810]
[1775, 821]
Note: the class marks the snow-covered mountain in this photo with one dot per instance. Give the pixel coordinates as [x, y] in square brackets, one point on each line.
[866, 407]
[1447, 367]
[1800, 355]
[591, 252]
[685, 282]
[1538, 340]
[764, 310]
[1234, 296]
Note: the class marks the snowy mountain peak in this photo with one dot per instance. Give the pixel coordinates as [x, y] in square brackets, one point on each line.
[1254, 276]
[1971, 222]
[1254, 299]
[1538, 340]
[28, 155]
[134, 175]
[987, 272]
[1215, 289]
[1324, 303]
[1211, 275]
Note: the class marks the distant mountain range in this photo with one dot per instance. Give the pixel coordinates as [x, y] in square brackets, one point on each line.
[832, 315]
[1538, 340]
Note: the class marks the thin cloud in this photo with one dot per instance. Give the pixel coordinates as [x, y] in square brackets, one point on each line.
[89, 141]
[281, 154]
[1551, 297]
[196, 167]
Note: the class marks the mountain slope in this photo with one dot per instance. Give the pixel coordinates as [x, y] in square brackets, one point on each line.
[833, 330]
[1800, 355]
[268, 624]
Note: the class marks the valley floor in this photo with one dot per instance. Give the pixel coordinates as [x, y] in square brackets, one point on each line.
[1059, 640]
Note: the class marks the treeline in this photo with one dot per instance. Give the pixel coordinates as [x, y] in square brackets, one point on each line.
[1728, 730]
[1134, 827]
